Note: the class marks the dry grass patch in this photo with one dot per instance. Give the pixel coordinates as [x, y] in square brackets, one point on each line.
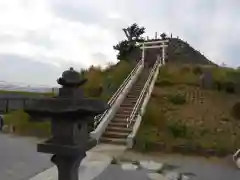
[205, 119]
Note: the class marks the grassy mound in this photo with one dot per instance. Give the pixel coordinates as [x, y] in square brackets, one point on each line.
[184, 114]
[103, 83]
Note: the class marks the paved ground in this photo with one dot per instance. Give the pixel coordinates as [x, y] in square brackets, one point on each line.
[96, 162]
[115, 172]
[19, 159]
[203, 168]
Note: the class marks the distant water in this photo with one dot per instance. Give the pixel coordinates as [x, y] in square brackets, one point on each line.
[26, 88]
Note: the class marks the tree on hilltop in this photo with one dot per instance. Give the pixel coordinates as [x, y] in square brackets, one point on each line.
[163, 36]
[134, 34]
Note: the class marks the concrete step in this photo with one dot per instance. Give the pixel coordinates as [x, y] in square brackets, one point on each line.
[114, 134]
[119, 129]
[124, 111]
[132, 96]
[127, 105]
[139, 84]
[130, 101]
[126, 108]
[122, 119]
[119, 120]
[113, 141]
[136, 88]
[122, 115]
[127, 100]
[118, 124]
[135, 91]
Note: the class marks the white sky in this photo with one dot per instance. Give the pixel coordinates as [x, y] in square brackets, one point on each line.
[41, 38]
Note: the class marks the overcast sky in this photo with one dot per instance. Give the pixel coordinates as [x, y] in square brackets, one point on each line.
[41, 38]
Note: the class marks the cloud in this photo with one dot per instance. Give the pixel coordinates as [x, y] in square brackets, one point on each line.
[24, 69]
[50, 36]
[78, 11]
[32, 71]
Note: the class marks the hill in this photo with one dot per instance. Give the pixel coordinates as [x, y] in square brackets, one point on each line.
[180, 52]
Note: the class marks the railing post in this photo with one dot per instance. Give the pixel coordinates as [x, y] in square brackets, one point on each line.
[143, 53]
[163, 52]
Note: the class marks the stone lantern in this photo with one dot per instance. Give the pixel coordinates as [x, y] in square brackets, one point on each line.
[69, 113]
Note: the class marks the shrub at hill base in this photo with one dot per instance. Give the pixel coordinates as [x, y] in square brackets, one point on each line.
[103, 83]
[227, 80]
[177, 98]
[178, 129]
[236, 110]
[19, 122]
[154, 121]
[230, 87]
[197, 70]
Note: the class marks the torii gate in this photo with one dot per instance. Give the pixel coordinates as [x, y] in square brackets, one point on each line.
[152, 45]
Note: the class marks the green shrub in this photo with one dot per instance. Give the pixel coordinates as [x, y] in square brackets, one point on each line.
[185, 69]
[177, 129]
[103, 83]
[95, 91]
[120, 72]
[189, 79]
[177, 99]
[203, 132]
[219, 74]
[197, 70]
[154, 116]
[218, 85]
[236, 110]
[141, 145]
[164, 82]
[229, 87]
[95, 78]
[23, 126]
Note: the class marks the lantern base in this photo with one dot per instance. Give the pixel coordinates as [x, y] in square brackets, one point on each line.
[65, 150]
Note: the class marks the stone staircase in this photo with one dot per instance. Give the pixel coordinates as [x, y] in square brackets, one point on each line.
[117, 130]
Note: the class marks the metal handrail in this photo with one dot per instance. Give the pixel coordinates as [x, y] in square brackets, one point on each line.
[139, 101]
[116, 94]
[98, 119]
